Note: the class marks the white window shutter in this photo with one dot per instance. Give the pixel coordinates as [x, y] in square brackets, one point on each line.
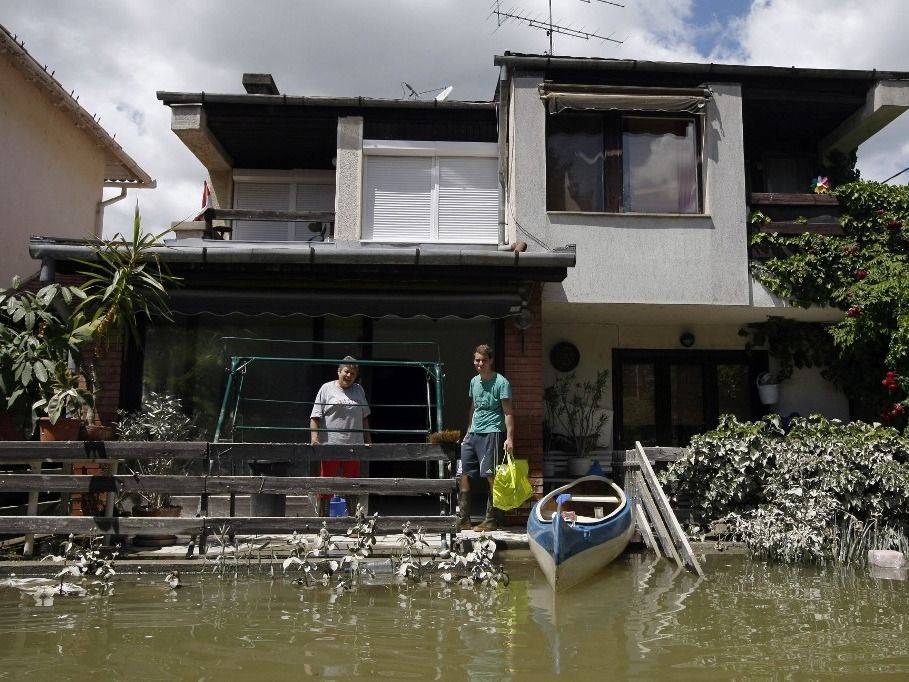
[398, 199]
[262, 196]
[315, 197]
[468, 200]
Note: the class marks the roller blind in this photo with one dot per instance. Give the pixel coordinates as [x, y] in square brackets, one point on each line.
[260, 196]
[398, 198]
[468, 200]
[431, 198]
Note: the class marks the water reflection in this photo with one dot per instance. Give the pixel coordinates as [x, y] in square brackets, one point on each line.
[640, 620]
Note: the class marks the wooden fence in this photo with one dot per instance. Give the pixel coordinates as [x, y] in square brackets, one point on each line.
[214, 469]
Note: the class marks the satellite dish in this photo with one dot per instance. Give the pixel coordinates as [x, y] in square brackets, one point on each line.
[445, 93]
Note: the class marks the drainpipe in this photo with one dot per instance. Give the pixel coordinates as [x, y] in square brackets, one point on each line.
[104, 203]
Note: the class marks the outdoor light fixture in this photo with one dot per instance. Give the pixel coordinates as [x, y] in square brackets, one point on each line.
[687, 339]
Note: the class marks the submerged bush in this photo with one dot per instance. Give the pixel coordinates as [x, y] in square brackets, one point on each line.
[820, 490]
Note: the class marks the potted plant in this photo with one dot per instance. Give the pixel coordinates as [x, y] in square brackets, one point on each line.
[575, 408]
[160, 418]
[768, 386]
[64, 408]
[124, 284]
[36, 347]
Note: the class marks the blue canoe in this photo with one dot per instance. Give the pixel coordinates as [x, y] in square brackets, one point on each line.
[579, 528]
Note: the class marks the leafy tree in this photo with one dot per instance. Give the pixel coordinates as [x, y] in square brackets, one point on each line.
[865, 273]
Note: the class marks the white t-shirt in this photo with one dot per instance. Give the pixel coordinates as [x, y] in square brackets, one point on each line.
[342, 411]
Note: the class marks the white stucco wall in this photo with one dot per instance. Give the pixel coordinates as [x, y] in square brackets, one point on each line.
[622, 258]
[51, 174]
[806, 392]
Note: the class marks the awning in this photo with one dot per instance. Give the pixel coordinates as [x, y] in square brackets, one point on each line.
[314, 303]
[614, 98]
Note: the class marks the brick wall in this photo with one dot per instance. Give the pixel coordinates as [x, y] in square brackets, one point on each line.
[524, 369]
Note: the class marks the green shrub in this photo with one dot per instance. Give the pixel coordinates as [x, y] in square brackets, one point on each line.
[820, 491]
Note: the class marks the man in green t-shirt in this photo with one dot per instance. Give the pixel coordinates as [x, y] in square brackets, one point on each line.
[491, 418]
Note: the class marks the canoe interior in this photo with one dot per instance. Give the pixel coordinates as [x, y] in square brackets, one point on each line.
[592, 500]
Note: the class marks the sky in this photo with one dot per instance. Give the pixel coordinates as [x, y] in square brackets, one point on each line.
[117, 54]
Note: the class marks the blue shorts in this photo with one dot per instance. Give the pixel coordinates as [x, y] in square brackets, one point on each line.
[479, 452]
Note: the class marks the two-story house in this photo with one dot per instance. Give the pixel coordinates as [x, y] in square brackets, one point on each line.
[55, 161]
[350, 220]
[344, 220]
[652, 169]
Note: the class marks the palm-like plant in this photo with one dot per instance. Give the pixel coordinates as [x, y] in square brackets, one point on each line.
[126, 283]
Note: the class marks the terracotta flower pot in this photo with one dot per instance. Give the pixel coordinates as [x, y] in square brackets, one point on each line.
[66, 428]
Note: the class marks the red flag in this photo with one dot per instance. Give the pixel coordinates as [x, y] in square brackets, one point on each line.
[206, 194]
[206, 200]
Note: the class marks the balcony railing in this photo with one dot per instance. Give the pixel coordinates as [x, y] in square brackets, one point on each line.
[797, 213]
[321, 223]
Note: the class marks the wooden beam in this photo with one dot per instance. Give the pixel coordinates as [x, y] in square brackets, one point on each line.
[304, 452]
[277, 216]
[653, 514]
[222, 485]
[672, 522]
[13, 451]
[791, 199]
[640, 519]
[63, 525]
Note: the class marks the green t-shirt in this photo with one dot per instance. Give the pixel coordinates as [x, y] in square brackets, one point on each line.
[487, 396]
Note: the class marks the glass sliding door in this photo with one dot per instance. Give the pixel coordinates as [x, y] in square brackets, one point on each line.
[666, 397]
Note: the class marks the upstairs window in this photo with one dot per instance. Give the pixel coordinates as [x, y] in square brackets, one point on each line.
[620, 162]
[420, 192]
[623, 149]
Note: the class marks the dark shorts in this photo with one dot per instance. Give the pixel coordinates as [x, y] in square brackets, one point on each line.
[479, 452]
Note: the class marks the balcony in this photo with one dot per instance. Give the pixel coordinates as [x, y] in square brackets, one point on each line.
[797, 213]
[303, 226]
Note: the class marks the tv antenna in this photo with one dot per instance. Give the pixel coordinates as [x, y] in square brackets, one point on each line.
[517, 15]
[411, 93]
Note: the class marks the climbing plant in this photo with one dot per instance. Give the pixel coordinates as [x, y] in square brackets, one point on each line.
[865, 273]
[819, 490]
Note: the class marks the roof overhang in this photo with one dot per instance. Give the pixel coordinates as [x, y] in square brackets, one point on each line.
[120, 169]
[228, 131]
[338, 278]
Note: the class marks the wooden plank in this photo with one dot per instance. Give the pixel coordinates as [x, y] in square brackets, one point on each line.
[304, 452]
[653, 514]
[280, 216]
[221, 485]
[63, 525]
[12, 451]
[640, 519]
[672, 522]
[794, 229]
[791, 199]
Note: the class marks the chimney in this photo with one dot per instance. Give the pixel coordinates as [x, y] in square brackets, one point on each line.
[260, 84]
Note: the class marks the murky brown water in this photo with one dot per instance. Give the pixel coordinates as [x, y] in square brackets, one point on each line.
[641, 621]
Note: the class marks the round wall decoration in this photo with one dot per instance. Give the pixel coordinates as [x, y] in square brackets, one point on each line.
[564, 356]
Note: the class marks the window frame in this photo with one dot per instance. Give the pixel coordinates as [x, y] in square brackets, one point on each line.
[613, 185]
[436, 150]
[756, 361]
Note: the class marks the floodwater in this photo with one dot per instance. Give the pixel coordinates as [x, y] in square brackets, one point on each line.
[641, 620]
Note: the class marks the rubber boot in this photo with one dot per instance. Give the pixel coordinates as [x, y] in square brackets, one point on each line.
[488, 523]
[464, 509]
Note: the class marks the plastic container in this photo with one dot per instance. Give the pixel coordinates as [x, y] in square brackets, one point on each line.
[337, 506]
